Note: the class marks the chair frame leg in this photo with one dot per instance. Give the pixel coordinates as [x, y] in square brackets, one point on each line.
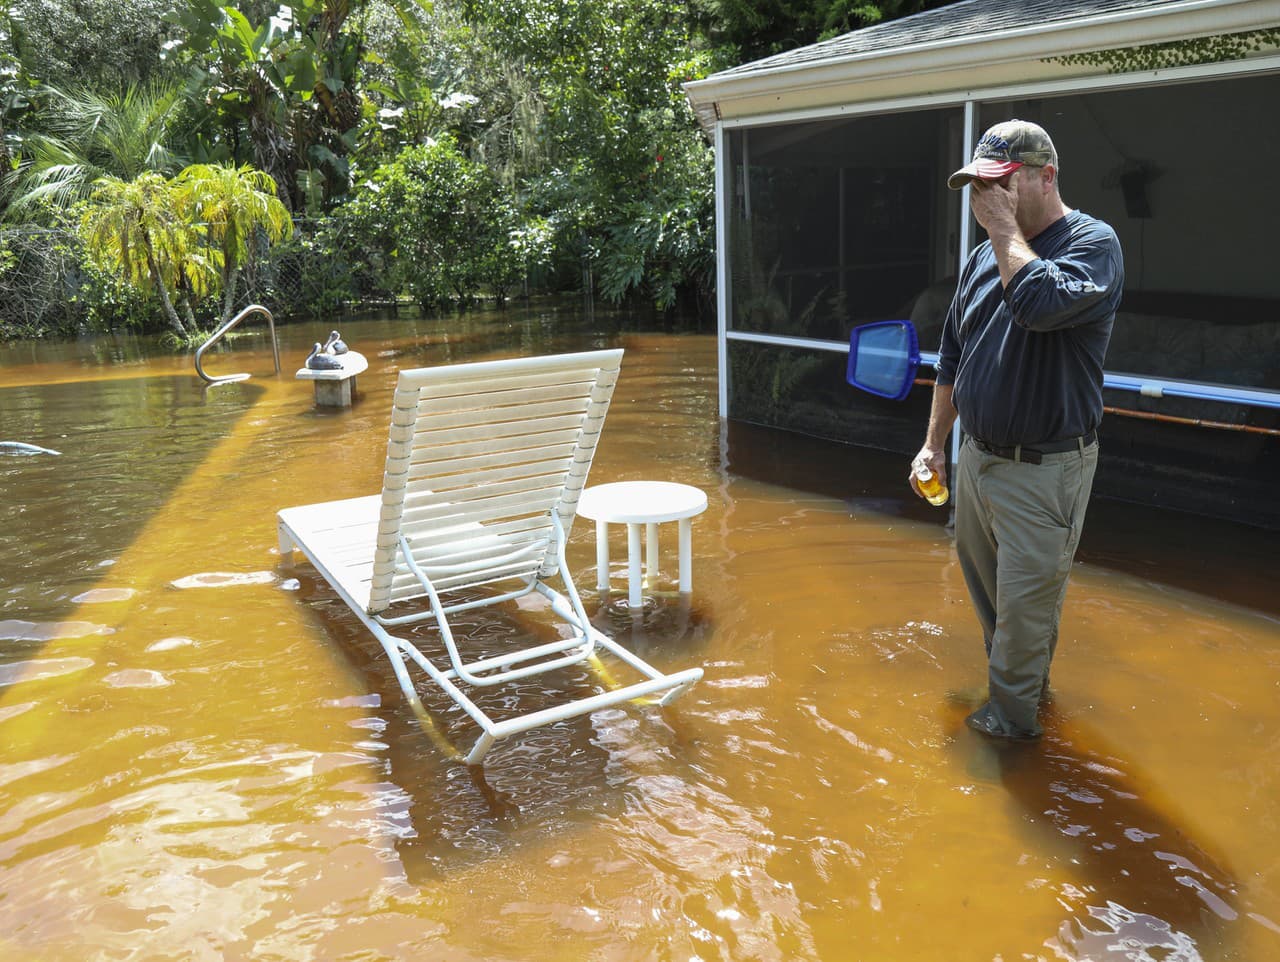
[586, 638]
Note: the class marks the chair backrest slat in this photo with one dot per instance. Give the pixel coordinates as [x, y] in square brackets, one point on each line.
[507, 429]
[477, 457]
[508, 460]
[546, 387]
[485, 485]
[480, 553]
[512, 445]
[432, 491]
[429, 424]
[442, 537]
[562, 367]
[481, 510]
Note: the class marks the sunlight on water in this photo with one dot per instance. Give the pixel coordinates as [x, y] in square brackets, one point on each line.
[206, 757]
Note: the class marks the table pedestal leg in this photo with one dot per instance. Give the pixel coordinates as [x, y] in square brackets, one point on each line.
[633, 566]
[651, 555]
[602, 556]
[686, 555]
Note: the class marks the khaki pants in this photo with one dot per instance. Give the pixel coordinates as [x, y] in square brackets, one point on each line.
[1017, 528]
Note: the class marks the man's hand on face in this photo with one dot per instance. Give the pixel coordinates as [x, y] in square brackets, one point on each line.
[995, 204]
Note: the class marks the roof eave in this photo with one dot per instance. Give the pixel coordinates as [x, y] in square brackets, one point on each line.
[1169, 22]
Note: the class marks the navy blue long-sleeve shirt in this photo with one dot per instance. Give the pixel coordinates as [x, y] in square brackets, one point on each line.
[1026, 362]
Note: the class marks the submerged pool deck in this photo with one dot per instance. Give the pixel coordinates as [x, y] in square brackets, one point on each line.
[206, 757]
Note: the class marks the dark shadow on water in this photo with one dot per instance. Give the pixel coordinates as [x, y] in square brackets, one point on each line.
[668, 626]
[1144, 884]
[126, 445]
[1220, 559]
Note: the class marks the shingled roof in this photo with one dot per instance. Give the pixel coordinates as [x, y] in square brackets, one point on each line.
[969, 18]
[962, 47]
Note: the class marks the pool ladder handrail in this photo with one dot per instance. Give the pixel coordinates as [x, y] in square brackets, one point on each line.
[217, 336]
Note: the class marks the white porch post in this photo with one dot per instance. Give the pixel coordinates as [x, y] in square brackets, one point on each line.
[722, 266]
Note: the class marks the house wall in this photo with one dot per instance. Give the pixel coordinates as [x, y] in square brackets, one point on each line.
[856, 206]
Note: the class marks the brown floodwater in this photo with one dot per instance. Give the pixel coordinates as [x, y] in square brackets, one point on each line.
[202, 756]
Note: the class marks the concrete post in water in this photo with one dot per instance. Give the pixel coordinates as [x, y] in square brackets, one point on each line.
[333, 369]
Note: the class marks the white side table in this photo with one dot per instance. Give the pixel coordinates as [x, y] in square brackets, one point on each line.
[648, 503]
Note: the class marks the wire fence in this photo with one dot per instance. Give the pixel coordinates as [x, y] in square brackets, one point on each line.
[320, 271]
[49, 286]
[40, 277]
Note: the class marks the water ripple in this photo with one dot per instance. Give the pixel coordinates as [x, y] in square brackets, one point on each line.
[49, 631]
[37, 669]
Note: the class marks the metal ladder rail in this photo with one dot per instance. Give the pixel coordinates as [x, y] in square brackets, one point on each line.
[218, 334]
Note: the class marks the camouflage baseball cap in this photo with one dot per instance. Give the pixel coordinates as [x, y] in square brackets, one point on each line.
[1003, 149]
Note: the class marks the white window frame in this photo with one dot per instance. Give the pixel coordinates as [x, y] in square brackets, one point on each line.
[969, 101]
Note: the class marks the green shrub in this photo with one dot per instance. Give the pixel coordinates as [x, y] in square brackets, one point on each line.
[440, 227]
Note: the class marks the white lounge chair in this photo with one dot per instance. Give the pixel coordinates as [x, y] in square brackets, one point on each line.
[485, 464]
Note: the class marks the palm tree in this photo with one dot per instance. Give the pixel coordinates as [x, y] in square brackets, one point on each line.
[235, 206]
[88, 136]
[137, 227]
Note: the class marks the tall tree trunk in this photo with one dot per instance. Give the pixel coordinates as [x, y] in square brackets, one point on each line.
[229, 292]
[185, 301]
[164, 294]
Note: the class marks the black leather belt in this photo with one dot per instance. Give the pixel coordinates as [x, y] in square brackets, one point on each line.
[1032, 454]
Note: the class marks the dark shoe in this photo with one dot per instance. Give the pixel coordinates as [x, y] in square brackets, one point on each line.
[985, 721]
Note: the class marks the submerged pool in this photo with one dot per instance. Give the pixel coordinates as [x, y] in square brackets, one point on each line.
[205, 758]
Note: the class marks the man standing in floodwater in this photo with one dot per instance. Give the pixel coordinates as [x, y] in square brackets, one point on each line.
[1021, 365]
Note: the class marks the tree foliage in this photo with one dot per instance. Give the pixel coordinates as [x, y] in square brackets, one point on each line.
[186, 237]
[284, 87]
[624, 176]
[137, 227]
[751, 29]
[444, 150]
[236, 210]
[441, 225]
[85, 135]
[107, 44]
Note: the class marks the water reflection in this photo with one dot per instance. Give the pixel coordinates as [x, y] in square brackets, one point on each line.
[553, 781]
[1148, 888]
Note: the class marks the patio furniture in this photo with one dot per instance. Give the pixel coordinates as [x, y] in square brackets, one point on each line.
[648, 503]
[485, 464]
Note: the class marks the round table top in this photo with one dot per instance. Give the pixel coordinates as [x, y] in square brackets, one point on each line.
[641, 502]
